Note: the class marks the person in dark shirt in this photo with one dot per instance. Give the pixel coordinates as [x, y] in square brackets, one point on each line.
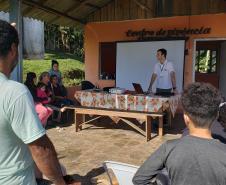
[195, 159]
[30, 82]
[60, 99]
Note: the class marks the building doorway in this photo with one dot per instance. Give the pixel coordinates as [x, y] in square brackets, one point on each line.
[207, 62]
[210, 63]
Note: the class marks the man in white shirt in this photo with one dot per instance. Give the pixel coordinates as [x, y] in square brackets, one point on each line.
[164, 73]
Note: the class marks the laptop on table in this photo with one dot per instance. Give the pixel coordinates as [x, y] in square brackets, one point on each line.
[138, 88]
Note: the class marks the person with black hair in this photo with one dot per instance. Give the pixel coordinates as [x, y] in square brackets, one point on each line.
[55, 71]
[164, 73]
[30, 82]
[43, 112]
[60, 99]
[197, 158]
[23, 140]
[218, 127]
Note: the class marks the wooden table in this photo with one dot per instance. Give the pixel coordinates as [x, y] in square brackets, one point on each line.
[80, 113]
[124, 106]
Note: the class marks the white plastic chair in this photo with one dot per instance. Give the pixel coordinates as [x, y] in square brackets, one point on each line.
[123, 172]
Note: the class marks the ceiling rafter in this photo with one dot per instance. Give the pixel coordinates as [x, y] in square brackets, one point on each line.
[82, 3]
[92, 6]
[50, 10]
[88, 4]
[142, 6]
[68, 10]
[77, 7]
[90, 13]
[28, 9]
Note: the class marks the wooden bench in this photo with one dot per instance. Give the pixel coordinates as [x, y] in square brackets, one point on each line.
[60, 110]
[80, 113]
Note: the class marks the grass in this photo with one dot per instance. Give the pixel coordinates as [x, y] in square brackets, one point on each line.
[68, 64]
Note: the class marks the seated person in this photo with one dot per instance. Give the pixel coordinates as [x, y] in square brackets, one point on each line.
[45, 78]
[30, 82]
[60, 99]
[197, 158]
[41, 93]
[42, 111]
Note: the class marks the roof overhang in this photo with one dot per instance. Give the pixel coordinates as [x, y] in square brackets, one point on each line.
[61, 12]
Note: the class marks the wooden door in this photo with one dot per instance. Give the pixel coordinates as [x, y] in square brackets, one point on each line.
[207, 62]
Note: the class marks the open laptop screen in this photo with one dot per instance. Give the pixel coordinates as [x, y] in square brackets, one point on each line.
[138, 88]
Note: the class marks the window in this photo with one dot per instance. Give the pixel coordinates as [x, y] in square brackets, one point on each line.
[206, 61]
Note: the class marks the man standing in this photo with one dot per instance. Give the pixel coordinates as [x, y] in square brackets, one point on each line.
[22, 137]
[164, 73]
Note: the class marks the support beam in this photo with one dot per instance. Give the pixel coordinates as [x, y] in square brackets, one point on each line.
[93, 6]
[50, 10]
[79, 6]
[72, 7]
[88, 4]
[15, 16]
[1, 1]
[142, 6]
[76, 7]
[90, 13]
[28, 9]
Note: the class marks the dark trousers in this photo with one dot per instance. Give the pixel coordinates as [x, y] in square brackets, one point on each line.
[158, 90]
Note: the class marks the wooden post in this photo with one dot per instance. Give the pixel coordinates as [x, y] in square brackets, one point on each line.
[161, 126]
[78, 121]
[169, 114]
[148, 128]
[15, 17]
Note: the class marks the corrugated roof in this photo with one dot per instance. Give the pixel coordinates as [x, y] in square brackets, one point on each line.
[62, 12]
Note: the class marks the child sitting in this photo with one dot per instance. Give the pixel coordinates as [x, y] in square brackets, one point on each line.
[43, 100]
[41, 93]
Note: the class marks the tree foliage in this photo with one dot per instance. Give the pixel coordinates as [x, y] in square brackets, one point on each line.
[66, 39]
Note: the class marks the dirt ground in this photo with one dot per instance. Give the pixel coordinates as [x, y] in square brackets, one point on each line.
[83, 153]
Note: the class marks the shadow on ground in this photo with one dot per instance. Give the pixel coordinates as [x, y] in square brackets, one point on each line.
[89, 178]
[177, 124]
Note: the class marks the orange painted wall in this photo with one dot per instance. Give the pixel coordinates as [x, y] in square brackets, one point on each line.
[115, 31]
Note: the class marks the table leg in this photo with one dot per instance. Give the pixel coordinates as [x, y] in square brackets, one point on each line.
[169, 118]
[78, 121]
[148, 128]
[161, 126]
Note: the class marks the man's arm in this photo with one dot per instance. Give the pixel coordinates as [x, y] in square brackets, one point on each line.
[153, 78]
[151, 167]
[45, 157]
[173, 79]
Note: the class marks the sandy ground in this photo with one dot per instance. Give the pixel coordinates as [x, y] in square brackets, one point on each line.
[83, 153]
